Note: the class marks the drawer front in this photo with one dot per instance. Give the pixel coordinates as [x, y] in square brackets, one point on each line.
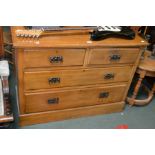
[46, 101]
[54, 57]
[55, 79]
[104, 56]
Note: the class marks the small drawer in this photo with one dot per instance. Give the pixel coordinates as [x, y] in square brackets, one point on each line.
[47, 101]
[53, 57]
[67, 78]
[103, 56]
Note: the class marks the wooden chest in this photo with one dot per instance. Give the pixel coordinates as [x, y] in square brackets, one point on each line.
[68, 76]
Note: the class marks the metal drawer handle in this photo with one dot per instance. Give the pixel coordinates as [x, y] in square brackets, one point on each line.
[53, 101]
[104, 95]
[56, 59]
[109, 76]
[115, 57]
[54, 80]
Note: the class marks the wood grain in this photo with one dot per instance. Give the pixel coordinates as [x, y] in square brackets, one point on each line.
[74, 41]
[102, 56]
[44, 117]
[71, 57]
[40, 80]
[133, 71]
[81, 75]
[20, 76]
[38, 102]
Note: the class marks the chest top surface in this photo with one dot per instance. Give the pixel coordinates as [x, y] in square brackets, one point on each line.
[81, 40]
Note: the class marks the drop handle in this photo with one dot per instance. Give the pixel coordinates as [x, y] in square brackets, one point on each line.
[56, 59]
[53, 101]
[54, 80]
[109, 76]
[115, 57]
[104, 95]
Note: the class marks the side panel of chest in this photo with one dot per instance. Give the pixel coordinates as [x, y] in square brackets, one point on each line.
[57, 83]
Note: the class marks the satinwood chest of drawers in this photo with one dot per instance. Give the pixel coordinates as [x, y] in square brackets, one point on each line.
[68, 76]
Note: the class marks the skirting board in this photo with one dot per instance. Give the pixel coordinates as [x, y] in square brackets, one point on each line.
[45, 117]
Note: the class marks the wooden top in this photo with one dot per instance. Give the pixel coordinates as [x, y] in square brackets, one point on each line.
[147, 63]
[73, 40]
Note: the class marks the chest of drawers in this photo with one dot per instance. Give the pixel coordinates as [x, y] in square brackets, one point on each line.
[62, 77]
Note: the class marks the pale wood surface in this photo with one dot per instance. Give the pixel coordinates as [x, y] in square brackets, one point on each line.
[73, 98]
[71, 41]
[101, 56]
[71, 57]
[39, 80]
[133, 71]
[81, 75]
[19, 59]
[44, 117]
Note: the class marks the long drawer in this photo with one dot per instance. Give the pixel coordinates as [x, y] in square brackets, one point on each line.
[53, 57]
[65, 78]
[46, 101]
[102, 56]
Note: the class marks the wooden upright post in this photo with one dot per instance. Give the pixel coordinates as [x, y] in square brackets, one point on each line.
[1, 43]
